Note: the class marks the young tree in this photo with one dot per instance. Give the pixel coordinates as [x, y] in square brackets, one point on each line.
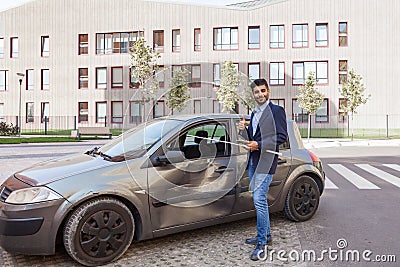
[309, 98]
[227, 91]
[245, 93]
[353, 92]
[144, 65]
[179, 91]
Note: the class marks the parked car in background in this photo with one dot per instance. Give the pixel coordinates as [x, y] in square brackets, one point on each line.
[167, 175]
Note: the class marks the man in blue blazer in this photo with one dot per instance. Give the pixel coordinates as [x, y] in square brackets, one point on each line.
[266, 131]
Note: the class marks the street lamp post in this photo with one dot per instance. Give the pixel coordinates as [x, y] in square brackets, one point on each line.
[21, 76]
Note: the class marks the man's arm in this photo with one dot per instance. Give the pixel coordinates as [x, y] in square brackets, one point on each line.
[281, 126]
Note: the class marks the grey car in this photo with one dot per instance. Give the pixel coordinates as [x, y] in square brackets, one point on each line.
[167, 175]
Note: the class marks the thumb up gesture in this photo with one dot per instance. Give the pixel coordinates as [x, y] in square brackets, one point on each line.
[242, 124]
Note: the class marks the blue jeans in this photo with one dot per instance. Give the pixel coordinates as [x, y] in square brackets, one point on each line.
[259, 183]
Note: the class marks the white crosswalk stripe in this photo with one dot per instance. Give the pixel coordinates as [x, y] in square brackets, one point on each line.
[329, 184]
[353, 177]
[381, 174]
[393, 166]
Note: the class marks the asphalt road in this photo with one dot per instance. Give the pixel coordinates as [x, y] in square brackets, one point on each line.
[359, 209]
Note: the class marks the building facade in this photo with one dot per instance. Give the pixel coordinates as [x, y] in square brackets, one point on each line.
[76, 66]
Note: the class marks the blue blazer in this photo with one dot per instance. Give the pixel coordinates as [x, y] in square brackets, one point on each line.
[270, 133]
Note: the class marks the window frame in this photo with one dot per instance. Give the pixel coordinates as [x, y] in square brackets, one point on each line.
[114, 117]
[305, 74]
[44, 44]
[117, 84]
[343, 116]
[253, 64]
[14, 48]
[97, 78]
[44, 86]
[221, 46]
[137, 119]
[176, 41]
[84, 116]
[1, 47]
[5, 86]
[303, 115]
[271, 78]
[82, 79]
[279, 42]
[195, 82]
[216, 82]
[83, 44]
[155, 109]
[304, 34]
[98, 119]
[30, 76]
[29, 118]
[277, 101]
[249, 43]
[158, 41]
[42, 111]
[321, 40]
[343, 35]
[343, 72]
[197, 40]
[326, 116]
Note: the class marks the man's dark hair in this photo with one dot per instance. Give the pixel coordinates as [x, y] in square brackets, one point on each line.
[259, 82]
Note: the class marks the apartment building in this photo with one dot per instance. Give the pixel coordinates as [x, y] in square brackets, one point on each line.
[74, 56]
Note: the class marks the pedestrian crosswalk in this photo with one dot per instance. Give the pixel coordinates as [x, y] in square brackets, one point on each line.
[358, 180]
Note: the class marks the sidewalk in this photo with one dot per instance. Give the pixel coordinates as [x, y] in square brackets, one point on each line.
[338, 142]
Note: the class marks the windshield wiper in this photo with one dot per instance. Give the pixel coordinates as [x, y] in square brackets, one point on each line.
[95, 151]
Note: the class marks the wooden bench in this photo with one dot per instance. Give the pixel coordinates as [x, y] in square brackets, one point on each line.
[94, 131]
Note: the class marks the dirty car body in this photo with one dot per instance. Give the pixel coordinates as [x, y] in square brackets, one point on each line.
[168, 175]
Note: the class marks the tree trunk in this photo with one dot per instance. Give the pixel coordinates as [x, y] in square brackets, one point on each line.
[352, 127]
[309, 127]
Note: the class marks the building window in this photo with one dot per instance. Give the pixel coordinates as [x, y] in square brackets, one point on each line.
[29, 112]
[343, 68]
[226, 38]
[116, 112]
[216, 106]
[135, 112]
[133, 82]
[196, 106]
[45, 78]
[175, 68]
[302, 69]
[158, 41]
[253, 71]
[134, 36]
[104, 43]
[159, 109]
[83, 112]
[44, 112]
[101, 78]
[161, 75]
[1, 47]
[176, 40]
[1, 111]
[299, 115]
[3, 80]
[14, 47]
[116, 77]
[321, 34]
[322, 114]
[120, 42]
[45, 46]
[101, 112]
[83, 78]
[343, 34]
[83, 44]
[342, 113]
[197, 39]
[216, 74]
[195, 76]
[254, 37]
[277, 36]
[300, 35]
[279, 102]
[277, 73]
[30, 80]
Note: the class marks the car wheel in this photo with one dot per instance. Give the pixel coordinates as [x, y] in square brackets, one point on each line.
[99, 231]
[302, 200]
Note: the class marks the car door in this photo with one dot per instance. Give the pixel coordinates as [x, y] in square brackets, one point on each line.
[199, 186]
[244, 200]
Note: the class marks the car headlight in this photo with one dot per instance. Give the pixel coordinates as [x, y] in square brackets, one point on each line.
[32, 195]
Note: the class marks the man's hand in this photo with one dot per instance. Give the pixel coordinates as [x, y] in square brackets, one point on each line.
[252, 145]
[242, 124]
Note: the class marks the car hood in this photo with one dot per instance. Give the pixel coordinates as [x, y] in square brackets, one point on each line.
[49, 171]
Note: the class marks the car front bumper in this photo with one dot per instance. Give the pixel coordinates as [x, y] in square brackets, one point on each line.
[29, 229]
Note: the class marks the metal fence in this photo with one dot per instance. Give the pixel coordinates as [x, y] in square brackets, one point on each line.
[371, 126]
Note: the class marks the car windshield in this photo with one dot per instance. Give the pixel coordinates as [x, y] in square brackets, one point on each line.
[138, 140]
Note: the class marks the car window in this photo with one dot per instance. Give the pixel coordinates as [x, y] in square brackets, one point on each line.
[205, 140]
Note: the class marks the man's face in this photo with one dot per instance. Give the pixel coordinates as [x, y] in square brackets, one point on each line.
[261, 94]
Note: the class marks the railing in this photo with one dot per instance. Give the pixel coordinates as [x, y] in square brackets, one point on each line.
[371, 126]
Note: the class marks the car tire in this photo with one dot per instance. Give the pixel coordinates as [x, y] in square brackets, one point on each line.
[302, 199]
[99, 231]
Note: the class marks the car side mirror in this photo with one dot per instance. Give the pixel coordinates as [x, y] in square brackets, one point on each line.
[171, 156]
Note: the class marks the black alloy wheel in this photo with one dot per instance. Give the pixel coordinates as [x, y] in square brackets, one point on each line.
[302, 200]
[99, 231]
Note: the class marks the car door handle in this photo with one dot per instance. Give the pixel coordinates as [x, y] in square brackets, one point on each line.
[223, 169]
[281, 161]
